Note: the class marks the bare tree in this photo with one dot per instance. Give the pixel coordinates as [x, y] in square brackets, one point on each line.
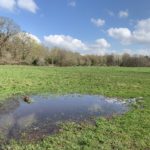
[7, 29]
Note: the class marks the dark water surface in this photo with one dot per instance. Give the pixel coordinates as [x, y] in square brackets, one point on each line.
[42, 116]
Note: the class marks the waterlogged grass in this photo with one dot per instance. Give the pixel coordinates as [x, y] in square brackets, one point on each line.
[131, 131]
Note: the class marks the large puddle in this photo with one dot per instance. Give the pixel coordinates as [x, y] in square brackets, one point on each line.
[43, 115]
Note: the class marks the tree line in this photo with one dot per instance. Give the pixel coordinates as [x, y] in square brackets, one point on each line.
[17, 47]
[60, 57]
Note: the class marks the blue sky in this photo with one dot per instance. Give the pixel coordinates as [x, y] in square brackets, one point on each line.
[85, 26]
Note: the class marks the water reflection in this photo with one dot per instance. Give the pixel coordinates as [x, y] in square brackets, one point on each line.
[42, 115]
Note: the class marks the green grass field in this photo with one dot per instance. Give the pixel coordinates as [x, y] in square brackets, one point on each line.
[131, 131]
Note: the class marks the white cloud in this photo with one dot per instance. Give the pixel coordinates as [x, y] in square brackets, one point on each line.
[123, 34]
[145, 52]
[102, 43]
[123, 14]
[8, 4]
[100, 46]
[34, 37]
[98, 22]
[28, 5]
[64, 41]
[72, 3]
[140, 34]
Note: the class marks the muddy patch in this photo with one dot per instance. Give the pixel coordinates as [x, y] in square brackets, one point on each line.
[42, 116]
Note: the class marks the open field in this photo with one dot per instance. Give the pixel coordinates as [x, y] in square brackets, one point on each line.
[131, 131]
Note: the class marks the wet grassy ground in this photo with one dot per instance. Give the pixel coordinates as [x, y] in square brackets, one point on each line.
[131, 131]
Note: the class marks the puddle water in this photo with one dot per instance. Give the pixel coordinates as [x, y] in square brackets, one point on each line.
[42, 116]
